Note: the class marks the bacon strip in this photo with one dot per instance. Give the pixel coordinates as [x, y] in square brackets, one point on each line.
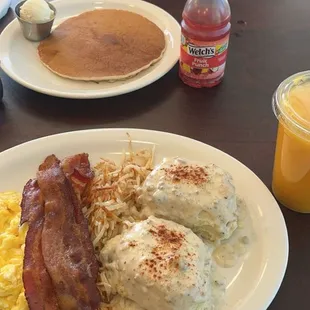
[39, 290]
[77, 170]
[65, 241]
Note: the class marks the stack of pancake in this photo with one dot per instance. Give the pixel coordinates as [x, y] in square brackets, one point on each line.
[105, 44]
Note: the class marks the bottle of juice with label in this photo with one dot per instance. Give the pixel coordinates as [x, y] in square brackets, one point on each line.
[205, 35]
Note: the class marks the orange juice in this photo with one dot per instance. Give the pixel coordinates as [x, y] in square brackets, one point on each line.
[291, 173]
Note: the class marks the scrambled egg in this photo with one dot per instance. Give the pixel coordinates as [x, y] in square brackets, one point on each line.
[12, 244]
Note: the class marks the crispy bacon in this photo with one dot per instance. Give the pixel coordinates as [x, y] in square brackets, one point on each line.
[39, 290]
[66, 246]
[77, 170]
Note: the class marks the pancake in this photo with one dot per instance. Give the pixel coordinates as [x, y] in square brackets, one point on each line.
[102, 45]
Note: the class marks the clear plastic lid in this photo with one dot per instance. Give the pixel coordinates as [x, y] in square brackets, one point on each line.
[291, 103]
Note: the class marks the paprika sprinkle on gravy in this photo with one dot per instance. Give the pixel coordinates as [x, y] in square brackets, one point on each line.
[177, 183]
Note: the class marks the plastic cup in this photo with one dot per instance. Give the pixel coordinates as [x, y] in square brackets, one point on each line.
[291, 172]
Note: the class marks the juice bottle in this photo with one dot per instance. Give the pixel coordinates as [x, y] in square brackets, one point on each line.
[205, 35]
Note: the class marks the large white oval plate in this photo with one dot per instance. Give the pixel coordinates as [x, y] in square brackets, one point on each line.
[19, 58]
[253, 283]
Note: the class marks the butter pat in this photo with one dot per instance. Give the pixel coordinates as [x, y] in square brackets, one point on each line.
[36, 11]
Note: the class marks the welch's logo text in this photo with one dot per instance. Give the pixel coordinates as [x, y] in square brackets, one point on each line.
[201, 51]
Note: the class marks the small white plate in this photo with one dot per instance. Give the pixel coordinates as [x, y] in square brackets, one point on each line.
[19, 58]
[4, 6]
[253, 283]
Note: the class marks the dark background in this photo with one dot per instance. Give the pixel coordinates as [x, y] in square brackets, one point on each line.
[235, 117]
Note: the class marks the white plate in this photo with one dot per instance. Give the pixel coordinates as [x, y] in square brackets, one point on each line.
[253, 283]
[20, 61]
[4, 6]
